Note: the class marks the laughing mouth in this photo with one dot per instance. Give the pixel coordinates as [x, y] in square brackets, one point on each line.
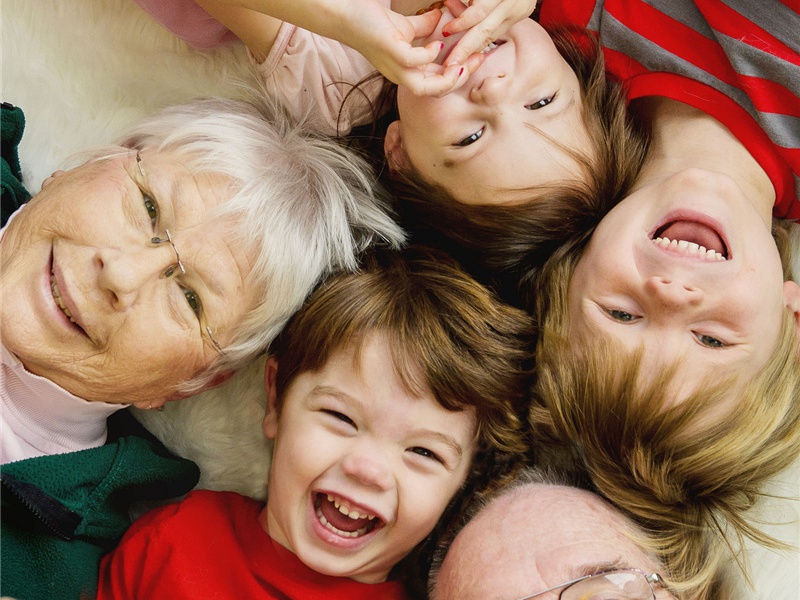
[60, 303]
[691, 238]
[338, 516]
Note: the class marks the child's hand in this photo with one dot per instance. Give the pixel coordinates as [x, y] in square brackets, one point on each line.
[484, 21]
[385, 39]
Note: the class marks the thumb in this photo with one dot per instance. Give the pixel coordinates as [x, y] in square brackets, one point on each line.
[425, 24]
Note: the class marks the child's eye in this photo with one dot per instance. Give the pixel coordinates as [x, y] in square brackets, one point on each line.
[621, 316]
[541, 103]
[339, 416]
[470, 139]
[709, 341]
[151, 206]
[426, 453]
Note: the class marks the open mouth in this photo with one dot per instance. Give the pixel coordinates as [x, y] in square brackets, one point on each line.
[60, 302]
[691, 238]
[337, 515]
[450, 43]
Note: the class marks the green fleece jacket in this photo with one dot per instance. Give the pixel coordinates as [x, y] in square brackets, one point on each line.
[14, 194]
[62, 513]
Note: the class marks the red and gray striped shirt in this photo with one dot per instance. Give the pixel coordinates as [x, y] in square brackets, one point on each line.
[736, 60]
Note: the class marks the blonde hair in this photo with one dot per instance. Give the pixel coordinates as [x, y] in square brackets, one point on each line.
[686, 476]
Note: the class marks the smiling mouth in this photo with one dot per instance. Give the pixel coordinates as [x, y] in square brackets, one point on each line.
[60, 303]
[492, 45]
[451, 42]
[691, 238]
[335, 514]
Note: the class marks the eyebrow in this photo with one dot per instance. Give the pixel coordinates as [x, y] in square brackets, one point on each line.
[444, 438]
[594, 568]
[326, 390]
[211, 282]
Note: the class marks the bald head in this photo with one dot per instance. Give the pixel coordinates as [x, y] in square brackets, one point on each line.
[535, 537]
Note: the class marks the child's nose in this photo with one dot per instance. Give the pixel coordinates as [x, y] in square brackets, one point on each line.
[491, 90]
[368, 469]
[673, 294]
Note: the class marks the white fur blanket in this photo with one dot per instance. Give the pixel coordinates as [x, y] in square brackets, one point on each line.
[82, 70]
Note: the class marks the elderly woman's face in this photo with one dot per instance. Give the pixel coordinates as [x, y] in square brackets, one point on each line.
[93, 304]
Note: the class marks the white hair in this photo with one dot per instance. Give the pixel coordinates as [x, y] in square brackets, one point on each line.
[304, 203]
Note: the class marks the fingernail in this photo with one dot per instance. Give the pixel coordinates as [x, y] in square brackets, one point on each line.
[460, 71]
[446, 34]
[441, 46]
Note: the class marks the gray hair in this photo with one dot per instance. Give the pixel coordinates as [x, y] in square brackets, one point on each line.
[305, 204]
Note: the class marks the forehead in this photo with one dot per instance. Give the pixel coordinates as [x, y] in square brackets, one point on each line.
[535, 538]
[366, 354]
[192, 190]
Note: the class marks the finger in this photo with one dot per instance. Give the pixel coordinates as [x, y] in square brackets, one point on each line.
[427, 83]
[425, 24]
[471, 17]
[417, 56]
[473, 64]
[473, 42]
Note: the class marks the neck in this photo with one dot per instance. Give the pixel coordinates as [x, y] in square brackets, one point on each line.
[684, 137]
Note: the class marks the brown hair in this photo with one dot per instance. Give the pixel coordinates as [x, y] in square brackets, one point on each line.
[685, 475]
[470, 349]
[506, 245]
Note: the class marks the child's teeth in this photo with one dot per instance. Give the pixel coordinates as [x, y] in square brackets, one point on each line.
[353, 514]
[689, 248]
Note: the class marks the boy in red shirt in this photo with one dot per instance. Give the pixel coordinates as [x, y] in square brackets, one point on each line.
[380, 392]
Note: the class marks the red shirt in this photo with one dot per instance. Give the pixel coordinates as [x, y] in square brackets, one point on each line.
[736, 60]
[212, 546]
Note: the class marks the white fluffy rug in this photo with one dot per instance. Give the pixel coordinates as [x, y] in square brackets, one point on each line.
[82, 70]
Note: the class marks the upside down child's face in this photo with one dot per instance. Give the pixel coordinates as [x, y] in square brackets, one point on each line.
[688, 269]
[351, 439]
[501, 129]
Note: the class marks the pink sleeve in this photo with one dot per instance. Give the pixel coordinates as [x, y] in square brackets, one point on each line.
[312, 75]
[187, 20]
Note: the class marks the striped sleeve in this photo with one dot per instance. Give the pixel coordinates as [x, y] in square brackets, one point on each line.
[737, 60]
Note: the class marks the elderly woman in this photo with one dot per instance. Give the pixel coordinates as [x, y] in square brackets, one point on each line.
[152, 271]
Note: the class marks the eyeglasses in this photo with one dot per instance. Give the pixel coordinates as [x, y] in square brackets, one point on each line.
[178, 263]
[619, 584]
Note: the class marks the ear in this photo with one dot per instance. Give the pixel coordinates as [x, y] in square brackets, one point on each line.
[791, 295]
[396, 156]
[270, 424]
[217, 380]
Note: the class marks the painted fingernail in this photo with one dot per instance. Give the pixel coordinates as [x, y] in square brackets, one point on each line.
[441, 46]
[460, 71]
[446, 33]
